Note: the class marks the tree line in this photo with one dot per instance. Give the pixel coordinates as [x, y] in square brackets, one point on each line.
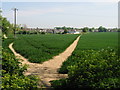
[87, 29]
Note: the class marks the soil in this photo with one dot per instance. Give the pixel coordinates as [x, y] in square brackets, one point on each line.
[47, 71]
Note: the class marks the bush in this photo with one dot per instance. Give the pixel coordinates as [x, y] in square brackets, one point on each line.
[42, 32]
[5, 44]
[60, 84]
[12, 74]
[93, 69]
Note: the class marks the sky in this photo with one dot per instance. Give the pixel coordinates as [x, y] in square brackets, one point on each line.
[72, 14]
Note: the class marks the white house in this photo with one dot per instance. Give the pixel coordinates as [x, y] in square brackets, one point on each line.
[74, 32]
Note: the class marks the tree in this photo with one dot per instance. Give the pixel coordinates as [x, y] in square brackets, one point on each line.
[6, 26]
[21, 28]
[65, 31]
[63, 27]
[58, 28]
[102, 29]
[91, 29]
[85, 29]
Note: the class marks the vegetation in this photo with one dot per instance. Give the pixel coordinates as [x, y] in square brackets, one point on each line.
[12, 70]
[12, 74]
[98, 40]
[64, 28]
[0, 57]
[38, 48]
[29, 32]
[93, 64]
[92, 69]
[102, 29]
[92, 41]
[5, 25]
[85, 29]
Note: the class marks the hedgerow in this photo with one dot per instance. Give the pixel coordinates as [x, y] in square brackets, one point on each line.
[92, 69]
[12, 74]
[12, 71]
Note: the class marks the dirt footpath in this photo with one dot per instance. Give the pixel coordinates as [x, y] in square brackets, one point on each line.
[47, 71]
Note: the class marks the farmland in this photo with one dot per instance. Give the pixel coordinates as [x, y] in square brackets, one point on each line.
[98, 40]
[93, 64]
[39, 48]
[92, 41]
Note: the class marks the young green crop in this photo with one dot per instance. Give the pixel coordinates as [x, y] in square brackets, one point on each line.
[91, 41]
[38, 48]
[98, 40]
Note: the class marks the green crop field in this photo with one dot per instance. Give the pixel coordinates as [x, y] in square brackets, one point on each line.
[93, 64]
[91, 41]
[98, 40]
[38, 48]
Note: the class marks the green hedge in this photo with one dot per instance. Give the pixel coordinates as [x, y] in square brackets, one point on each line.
[12, 71]
[92, 69]
[12, 74]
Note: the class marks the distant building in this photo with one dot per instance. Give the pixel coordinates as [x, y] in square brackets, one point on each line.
[74, 32]
[96, 30]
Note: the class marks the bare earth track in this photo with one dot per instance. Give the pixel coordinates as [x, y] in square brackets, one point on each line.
[47, 71]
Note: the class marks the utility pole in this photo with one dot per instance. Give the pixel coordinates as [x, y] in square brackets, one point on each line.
[15, 10]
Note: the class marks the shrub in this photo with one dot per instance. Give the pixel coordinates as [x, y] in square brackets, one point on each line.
[5, 44]
[42, 32]
[12, 74]
[94, 69]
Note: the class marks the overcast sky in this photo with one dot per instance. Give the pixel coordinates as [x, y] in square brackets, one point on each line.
[72, 14]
